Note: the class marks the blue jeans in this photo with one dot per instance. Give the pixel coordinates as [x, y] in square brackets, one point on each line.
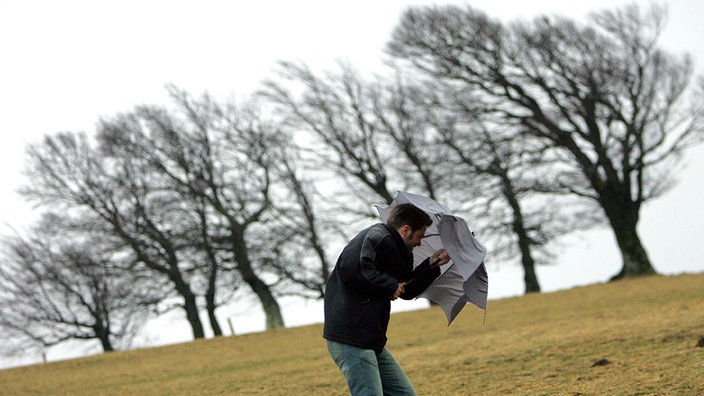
[369, 373]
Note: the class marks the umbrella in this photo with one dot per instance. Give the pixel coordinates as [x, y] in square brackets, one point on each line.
[463, 279]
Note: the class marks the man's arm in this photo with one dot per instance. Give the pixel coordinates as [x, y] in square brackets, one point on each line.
[363, 274]
[424, 275]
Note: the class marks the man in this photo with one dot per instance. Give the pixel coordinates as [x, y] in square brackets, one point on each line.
[374, 268]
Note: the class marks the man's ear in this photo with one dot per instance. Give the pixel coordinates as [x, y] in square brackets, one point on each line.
[405, 230]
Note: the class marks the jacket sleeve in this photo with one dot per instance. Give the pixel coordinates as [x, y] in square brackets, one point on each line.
[421, 277]
[364, 274]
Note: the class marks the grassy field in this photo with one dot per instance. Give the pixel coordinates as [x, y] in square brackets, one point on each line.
[632, 337]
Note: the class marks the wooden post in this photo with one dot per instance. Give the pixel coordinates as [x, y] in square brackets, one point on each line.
[232, 328]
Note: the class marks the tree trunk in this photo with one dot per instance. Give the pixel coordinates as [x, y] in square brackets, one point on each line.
[529, 276]
[274, 319]
[189, 302]
[635, 259]
[210, 306]
[624, 221]
[182, 288]
[103, 334]
[191, 308]
[271, 308]
[105, 342]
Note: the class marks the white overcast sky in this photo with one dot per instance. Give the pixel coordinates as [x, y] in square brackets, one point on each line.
[64, 64]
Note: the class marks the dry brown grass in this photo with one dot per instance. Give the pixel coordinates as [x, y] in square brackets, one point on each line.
[645, 332]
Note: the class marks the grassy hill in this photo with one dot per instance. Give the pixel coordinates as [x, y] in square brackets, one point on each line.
[632, 337]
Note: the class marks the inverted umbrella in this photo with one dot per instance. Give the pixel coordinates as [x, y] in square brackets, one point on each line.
[464, 278]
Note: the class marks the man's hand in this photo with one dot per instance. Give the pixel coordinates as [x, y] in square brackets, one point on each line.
[398, 291]
[440, 255]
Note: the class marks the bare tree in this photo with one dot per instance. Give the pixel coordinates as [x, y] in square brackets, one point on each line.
[55, 289]
[463, 161]
[303, 233]
[518, 219]
[121, 195]
[337, 112]
[368, 132]
[217, 154]
[504, 172]
[402, 109]
[211, 251]
[601, 98]
[124, 139]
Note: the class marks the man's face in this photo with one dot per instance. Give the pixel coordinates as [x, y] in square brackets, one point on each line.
[410, 237]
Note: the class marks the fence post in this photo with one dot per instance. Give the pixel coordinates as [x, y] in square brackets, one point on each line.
[232, 328]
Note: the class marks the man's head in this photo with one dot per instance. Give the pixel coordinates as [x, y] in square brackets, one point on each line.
[410, 222]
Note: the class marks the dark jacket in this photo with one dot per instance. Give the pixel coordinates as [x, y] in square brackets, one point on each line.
[358, 292]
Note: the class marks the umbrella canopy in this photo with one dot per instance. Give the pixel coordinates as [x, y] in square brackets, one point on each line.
[464, 278]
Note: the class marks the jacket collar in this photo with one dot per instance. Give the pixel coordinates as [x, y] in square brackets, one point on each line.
[400, 244]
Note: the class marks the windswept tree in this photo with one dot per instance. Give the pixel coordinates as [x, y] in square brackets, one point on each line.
[191, 224]
[221, 156]
[602, 99]
[54, 289]
[432, 145]
[401, 108]
[337, 113]
[302, 231]
[122, 198]
[495, 172]
[370, 133]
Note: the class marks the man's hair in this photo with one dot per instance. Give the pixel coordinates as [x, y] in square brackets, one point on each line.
[408, 214]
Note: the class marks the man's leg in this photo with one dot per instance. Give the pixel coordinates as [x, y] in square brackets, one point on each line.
[393, 379]
[359, 366]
